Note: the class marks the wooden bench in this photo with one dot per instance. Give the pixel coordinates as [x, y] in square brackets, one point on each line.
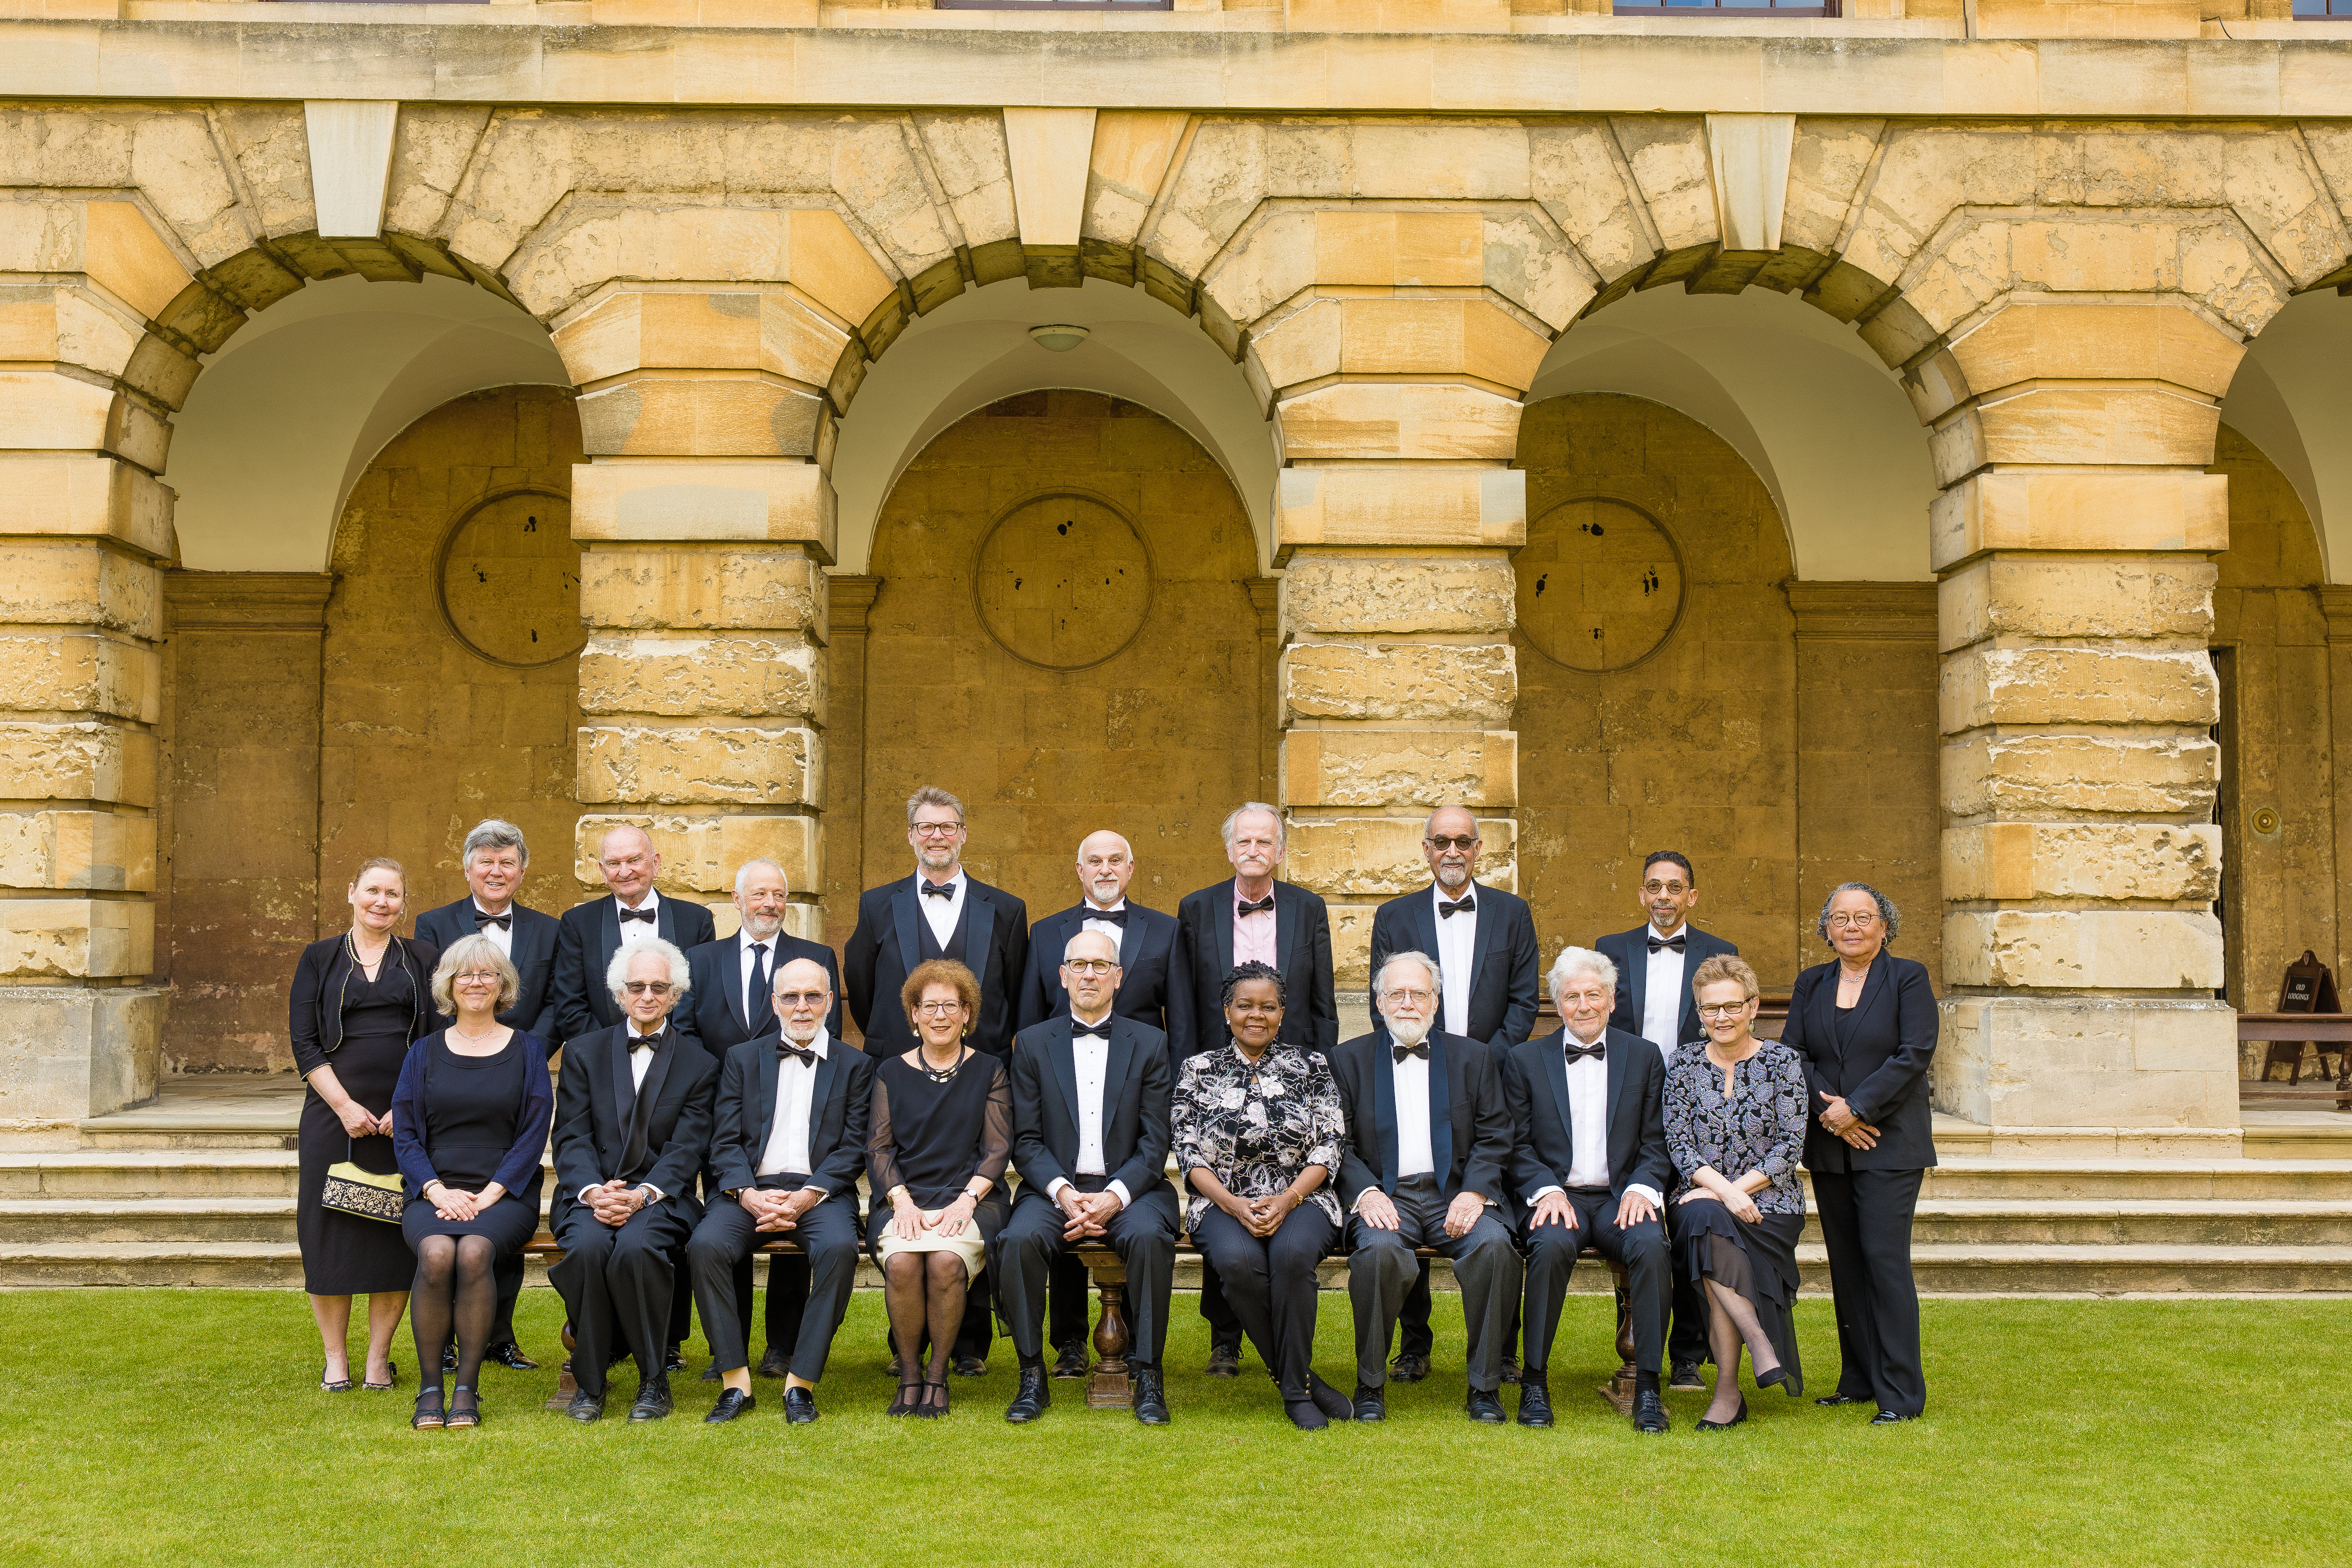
[1109, 1387]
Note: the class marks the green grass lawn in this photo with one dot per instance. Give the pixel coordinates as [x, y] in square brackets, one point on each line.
[184, 1426]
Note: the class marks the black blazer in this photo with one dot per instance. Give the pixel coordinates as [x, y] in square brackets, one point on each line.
[592, 1136]
[1506, 964]
[1138, 1088]
[585, 941]
[992, 942]
[1876, 1056]
[1471, 1140]
[533, 956]
[713, 1013]
[314, 1007]
[1535, 1079]
[838, 1112]
[1154, 986]
[1302, 943]
[1629, 951]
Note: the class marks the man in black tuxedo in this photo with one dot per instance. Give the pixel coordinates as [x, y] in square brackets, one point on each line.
[591, 933]
[633, 1110]
[1590, 1164]
[938, 912]
[788, 1145]
[1429, 1137]
[494, 857]
[729, 1003]
[1090, 1137]
[1654, 963]
[1251, 916]
[1154, 989]
[1484, 940]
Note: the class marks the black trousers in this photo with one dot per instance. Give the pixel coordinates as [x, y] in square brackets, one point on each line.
[1143, 1234]
[788, 1294]
[1687, 1341]
[1551, 1258]
[1866, 1229]
[1270, 1285]
[616, 1284]
[506, 1274]
[723, 1242]
[1382, 1268]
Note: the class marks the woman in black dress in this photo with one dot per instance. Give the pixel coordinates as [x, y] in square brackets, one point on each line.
[470, 1125]
[358, 1000]
[1735, 1112]
[940, 1136]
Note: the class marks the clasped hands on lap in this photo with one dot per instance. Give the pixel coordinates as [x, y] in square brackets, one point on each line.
[615, 1200]
[1087, 1213]
[457, 1205]
[772, 1211]
[1708, 1187]
[908, 1221]
[1379, 1211]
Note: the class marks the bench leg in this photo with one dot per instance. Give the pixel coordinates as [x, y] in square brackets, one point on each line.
[1111, 1388]
[1619, 1390]
[566, 1385]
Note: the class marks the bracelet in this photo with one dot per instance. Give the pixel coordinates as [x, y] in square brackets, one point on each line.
[895, 1194]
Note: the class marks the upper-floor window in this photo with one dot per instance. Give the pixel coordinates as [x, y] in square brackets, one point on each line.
[1732, 7]
[2339, 9]
[1053, 4]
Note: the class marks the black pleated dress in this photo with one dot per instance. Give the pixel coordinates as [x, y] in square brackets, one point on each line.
[343, 1256]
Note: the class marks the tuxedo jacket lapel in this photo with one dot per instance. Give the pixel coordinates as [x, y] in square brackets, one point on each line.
[1384, 1116]
[903, 915]
[828, 1067]
[1130, 940]
[1486, 915]
[1286, 926]
[1115, 1071]
[1220, 927]
[730, 975]
[612, 914]
[769, 1068]
[1637, 974]
[1424, 924]
[979, 918]
[625, 1088]
[1556, 1075]
[1062, 1055]
[1443, 1067]
[1618, 1069]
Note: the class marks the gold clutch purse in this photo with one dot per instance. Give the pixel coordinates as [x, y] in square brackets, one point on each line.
[360, 1192]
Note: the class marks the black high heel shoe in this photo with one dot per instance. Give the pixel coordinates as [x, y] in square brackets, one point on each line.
[1706, 1426]
[932, 1408]
[428, 1417]
[1778, 1375]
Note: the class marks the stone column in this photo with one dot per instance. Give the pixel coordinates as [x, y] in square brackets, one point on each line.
[2072, 541]
[707, 522]
[852, 600]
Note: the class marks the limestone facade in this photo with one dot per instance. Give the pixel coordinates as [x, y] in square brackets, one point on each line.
[2057, 227]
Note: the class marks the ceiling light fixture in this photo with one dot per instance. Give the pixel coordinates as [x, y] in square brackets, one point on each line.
[1059, 338]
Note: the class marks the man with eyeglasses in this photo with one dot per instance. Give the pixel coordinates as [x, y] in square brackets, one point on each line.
[591, 933]
[1654, 1000]
[730, 1000]
[788, 1144]
[1091, 1132]
[1153, 990]
[940, 912]
[633, 1108]
[1424, 1164]
[1484, 940]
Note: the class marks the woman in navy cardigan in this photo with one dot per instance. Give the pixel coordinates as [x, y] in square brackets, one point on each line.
[1865, 1026]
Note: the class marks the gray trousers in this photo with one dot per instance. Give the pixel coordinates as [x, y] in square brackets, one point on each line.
[1381, 1268]
[828, 1232]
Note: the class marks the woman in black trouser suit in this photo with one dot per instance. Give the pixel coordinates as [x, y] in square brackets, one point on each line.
[1866, 1028]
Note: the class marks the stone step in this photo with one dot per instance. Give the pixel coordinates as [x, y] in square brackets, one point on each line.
[1988, 1178]
[119, 1221]
[149, 1173]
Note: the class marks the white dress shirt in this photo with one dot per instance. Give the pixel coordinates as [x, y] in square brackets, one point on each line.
[944, 914]
[1092, 1058]
[1411, 1079]
[757, 1009]
[637, 930]
[787, 1153]
[640, 1058]
[1458, 948]
[502, 937]
[1117, 932]
[1663, 994]
[1588, 1115]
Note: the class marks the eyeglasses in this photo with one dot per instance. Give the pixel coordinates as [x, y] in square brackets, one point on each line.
[1088, 966]
[493, 978]
[938, 829]
[938, 1009]
[1654, 889]
[1844, 918]
[1724, 1009]
[802, 998]
[648, 987]
[1458, 841]
[1417, 999]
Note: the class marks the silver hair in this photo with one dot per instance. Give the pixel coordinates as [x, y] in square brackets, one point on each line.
[1114, 833]
[1575, 961]
[493, 833]
[617, 972]
[1428, 964]
[1083, 932]
[1887, 910]
[1281, 833]
[745, 870]
[931, 794]
[463, 954]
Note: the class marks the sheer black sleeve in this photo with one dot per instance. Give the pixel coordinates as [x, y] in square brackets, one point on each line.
[881, 1148]
[996, 1130]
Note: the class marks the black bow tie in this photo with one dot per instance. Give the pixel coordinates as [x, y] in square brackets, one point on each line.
[1598, 1050]
[1460, 906]
[1677, 942]
[1421, 1050]
[1079, 1026]
[504, 922]
[1248, 907]
[646, 915]
[805, 1055]
[939, 890]
[648, 1042]
[1116, 917]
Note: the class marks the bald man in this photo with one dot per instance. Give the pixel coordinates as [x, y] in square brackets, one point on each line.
[1153, 990]
[591, 933]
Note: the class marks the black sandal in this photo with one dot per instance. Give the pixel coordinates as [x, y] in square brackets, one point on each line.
[902, 1406]
[469, 1413]
[929, 1411]
[344, 1386]
[428, 1417]
[391, 1379]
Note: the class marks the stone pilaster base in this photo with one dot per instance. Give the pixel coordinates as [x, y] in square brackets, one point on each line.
[70, 1051]
[2092, 1077]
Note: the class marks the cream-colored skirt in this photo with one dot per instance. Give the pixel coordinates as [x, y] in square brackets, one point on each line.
[967, 1246]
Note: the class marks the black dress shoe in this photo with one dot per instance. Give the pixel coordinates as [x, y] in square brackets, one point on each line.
[1707, 1426]
[1890, 1419]
[1329, 1400]
[710, 1373]
[1150, 1397]
[653, 1401]
[1842, 1399]
[800, 1407]
[1535, 1401]
[1650, 1413]
[675, 1360]
[509, 1356]
[1072, 1362]
[1225, 1360]
[971, 1366]
[1686, 1378]
[1409, 1368]
[775, 1364]
[449, 1358]
[1486, 1406]
[585, 1406]
[1789, 1383]
[731, 1403]
[1372, 1403]
[1033, 1398]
